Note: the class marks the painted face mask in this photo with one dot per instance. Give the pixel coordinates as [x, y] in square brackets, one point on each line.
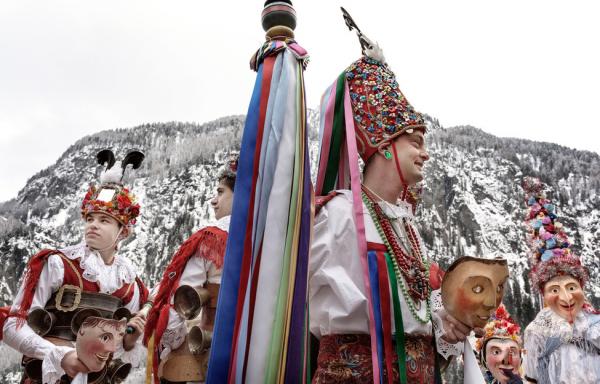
[564, 295]
[502, 358]
[472, 289]
[97, 340]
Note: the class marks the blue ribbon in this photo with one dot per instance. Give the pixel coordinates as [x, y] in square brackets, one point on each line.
[374, 280]
[220, 352]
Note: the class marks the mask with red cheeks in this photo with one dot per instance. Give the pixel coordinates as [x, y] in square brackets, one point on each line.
[97, 340]
[502, 355]
[473, 288]
[564, 296]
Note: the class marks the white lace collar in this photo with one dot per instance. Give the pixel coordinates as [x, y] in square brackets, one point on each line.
[223, 223]
[549, 324]
[400, 210]
[109, 277]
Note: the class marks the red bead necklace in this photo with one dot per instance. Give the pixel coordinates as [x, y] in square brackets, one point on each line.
[410, 265]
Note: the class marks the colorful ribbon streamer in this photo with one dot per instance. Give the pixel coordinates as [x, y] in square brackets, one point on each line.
[261, 322]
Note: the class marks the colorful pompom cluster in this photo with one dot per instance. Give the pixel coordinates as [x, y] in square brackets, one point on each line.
[500, 326]
[123, 206]
[551, 253]
[380, 110]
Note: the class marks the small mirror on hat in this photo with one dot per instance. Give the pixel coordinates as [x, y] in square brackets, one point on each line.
[106, 194]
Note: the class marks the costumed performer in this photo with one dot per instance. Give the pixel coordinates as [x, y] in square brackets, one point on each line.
[371, 287]
[500, 349]
[88, 277]
[182, 317]
[562, 343]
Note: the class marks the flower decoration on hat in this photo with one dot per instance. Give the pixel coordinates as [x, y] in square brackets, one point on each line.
[550, 248]
[229, 170]
[111, 197]
[380, 110]
[500, 326]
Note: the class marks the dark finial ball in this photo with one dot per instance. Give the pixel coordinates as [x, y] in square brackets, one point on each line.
[278, 13]
[269, 2]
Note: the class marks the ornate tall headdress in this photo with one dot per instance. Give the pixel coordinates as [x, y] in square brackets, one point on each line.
[550, 248]
[111, 197]
[366, 92]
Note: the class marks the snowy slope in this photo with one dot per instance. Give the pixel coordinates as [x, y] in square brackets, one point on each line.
[472, 202]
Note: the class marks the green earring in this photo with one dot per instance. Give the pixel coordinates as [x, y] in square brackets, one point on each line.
[387, 154]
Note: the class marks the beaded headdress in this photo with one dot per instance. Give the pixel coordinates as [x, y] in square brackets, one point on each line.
[111, 197]
[367, 93]
[550, 248]
[380, 110]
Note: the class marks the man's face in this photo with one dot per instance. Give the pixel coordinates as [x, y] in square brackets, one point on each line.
[97, 340]
[412, 155]
[564, 295]
[223, 200]
[101, 230]
[502, 354]
[473, 290]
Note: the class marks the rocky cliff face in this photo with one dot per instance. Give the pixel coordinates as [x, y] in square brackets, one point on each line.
[472, 201]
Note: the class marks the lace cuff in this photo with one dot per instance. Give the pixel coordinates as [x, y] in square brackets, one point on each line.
[172, 339]
[444, 348]
[135, 356]
[52, 370]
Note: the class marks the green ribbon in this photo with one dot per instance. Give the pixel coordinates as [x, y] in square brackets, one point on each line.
[400, 351]
[337, 136]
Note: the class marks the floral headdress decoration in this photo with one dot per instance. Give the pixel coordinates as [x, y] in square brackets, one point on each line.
[229, 171]
[550, 248]
[500, 326]
[111, 197]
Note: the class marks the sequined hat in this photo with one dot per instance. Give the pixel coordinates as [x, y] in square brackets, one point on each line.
[111, 197]
[365, 99]
[380, 111]
[550, 248]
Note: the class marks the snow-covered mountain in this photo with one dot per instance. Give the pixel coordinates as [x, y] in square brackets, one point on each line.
[472, 201]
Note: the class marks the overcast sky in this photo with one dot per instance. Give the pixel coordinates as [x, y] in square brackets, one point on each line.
[514, 68]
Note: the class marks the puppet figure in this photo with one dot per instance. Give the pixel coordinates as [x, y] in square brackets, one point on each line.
[562, 343]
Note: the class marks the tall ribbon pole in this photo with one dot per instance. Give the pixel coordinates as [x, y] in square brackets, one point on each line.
[261, 322]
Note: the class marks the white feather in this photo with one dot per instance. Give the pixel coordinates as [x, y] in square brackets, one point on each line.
[112, 175]
[376, 52]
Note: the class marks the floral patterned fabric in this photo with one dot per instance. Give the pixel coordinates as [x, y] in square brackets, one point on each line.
[347, 359]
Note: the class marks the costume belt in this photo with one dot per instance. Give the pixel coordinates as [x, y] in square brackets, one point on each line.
[69, 302]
